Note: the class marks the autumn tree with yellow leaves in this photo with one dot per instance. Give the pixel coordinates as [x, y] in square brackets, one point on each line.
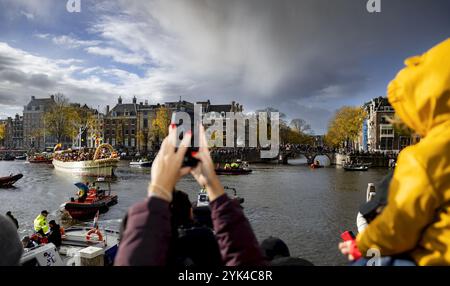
[2, 132]
[60, 120]
[345, 126]
[160, 125]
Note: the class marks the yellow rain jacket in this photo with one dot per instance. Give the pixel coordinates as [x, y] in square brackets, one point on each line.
[40, 222]
[416, 219]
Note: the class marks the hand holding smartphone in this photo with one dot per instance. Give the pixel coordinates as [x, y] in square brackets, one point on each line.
[188, 160]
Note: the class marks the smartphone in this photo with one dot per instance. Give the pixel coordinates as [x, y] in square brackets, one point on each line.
[188, 160]
[348, 235]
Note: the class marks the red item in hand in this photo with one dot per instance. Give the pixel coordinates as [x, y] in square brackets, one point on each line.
[354, 251]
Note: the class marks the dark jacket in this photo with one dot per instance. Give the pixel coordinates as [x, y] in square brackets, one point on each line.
[55, 236]
[147, 235]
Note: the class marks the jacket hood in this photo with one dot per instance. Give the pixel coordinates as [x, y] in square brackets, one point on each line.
[420, 93]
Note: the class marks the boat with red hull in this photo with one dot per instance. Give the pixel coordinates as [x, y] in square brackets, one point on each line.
[40, 159]
[97, 200]
[315, 166]
[222, 171]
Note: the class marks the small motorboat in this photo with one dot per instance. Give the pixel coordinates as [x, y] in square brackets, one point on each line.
[141, 163]
[98, 200]
[77, 244]
[356, 167]
[7, 182]
[203, 198]
[222, 171]
[43, 158]
[315, 166]
[21, 158]
[243, 169]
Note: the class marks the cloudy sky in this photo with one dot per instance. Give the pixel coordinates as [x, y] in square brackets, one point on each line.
[306, 58]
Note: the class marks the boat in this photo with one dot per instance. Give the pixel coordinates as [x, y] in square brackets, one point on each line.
[222, 171]
[355, 167]
[7, 182]
[41, 158]
[78, 248]
[141, 163]
[243, 169]
[22, 157]
[98, 199]
[203, 198]
[102, 164]
[315, 166]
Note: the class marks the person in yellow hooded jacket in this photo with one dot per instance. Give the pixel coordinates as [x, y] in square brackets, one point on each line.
[416, 221]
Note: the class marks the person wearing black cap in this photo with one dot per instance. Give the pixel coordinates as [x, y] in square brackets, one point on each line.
[55, 233]
[277, 252]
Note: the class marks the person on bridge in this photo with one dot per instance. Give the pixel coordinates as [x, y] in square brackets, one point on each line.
[416, 220]
[41, 224]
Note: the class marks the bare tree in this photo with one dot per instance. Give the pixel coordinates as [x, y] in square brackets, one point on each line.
[300, 126]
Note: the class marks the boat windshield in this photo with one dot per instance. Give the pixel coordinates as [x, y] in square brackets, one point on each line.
[203, 198]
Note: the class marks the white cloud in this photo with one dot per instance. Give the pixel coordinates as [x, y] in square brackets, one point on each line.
[71, 42]
[23, 74]
[29, 16]
[117, 55]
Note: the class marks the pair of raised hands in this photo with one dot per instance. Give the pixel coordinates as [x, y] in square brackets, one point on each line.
[167, 167]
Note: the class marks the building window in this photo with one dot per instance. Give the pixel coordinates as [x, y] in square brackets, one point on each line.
[386, 130]
[145, 123]
[404, 142]
[387, 144]
[133, 143]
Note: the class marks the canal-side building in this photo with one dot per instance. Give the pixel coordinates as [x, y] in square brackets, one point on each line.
[14, 133]
[378, 133]
[34, 135]
[212, 111]
[120, 125]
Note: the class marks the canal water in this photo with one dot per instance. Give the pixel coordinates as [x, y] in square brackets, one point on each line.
[306, 208]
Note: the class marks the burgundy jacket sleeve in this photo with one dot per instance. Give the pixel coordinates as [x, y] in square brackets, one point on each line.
[147, 234]
[237, 242]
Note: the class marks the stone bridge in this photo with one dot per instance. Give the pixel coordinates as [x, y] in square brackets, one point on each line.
[310, 155]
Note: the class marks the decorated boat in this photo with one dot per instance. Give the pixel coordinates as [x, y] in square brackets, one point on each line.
[103, 163]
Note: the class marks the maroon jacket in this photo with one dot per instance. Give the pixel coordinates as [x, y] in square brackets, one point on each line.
[148, 232]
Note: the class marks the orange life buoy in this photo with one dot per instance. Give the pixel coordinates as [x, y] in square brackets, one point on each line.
[95, 231]
[62, 231]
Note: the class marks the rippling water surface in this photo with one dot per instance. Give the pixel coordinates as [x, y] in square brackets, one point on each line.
[307, 208]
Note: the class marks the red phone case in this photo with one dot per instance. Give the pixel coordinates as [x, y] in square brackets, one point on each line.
[347, 235]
